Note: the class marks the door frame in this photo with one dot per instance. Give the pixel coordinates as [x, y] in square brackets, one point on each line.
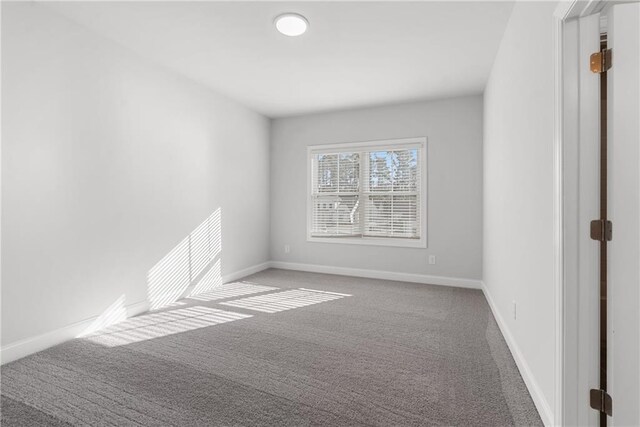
[567, 105]
[565, 133]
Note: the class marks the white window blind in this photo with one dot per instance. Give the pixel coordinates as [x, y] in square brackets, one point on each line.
[336, 198]
[367, 191]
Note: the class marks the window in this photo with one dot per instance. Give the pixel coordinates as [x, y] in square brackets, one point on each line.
[368, 193]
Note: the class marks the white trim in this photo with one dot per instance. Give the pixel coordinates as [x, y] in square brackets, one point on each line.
[532, 385]
[380, 274]
[412, 142]
[554, 417]
[565, 251]
[371, 241]
[245, 272]
[27, 346]
[568, 9]
[137, 308]
[419, 142]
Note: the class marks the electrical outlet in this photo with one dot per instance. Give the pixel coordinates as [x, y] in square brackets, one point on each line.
[513, 309]
[432, 259]
[287, 249]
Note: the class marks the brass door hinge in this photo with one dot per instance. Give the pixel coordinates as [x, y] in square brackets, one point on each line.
[601, 401]
[601, 61]
[601, 230]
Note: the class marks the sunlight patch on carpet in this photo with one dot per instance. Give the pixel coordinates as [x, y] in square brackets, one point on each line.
[231, 290]
[156, 325]
[287, 300]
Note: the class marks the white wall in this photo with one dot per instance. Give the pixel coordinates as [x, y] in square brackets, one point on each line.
[518, 194]
[453, 128]
[108, 162]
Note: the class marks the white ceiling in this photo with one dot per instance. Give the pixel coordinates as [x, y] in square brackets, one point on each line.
[355, 53]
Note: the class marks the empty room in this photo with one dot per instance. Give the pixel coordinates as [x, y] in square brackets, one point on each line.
[367, 213]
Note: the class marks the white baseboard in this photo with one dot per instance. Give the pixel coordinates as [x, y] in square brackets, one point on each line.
[41, 342]
[137, 308]
[27, 346]
[379, 274]
[532, 385]
[245, 272]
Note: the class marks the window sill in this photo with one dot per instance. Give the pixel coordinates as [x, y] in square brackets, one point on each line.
[371, 241]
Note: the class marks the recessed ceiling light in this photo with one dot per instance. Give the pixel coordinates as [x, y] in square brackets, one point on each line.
[291, 24]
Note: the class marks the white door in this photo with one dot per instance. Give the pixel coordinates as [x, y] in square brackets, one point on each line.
[623, 23]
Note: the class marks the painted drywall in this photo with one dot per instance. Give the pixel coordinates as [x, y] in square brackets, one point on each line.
[519, 193]
[453, 128]
[354, 54]
[108, 163]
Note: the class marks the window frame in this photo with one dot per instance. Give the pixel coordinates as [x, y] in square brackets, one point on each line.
[388, 144]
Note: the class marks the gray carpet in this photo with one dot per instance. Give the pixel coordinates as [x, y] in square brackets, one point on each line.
[390, 354]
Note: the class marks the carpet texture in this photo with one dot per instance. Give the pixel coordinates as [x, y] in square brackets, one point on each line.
[359, 352]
